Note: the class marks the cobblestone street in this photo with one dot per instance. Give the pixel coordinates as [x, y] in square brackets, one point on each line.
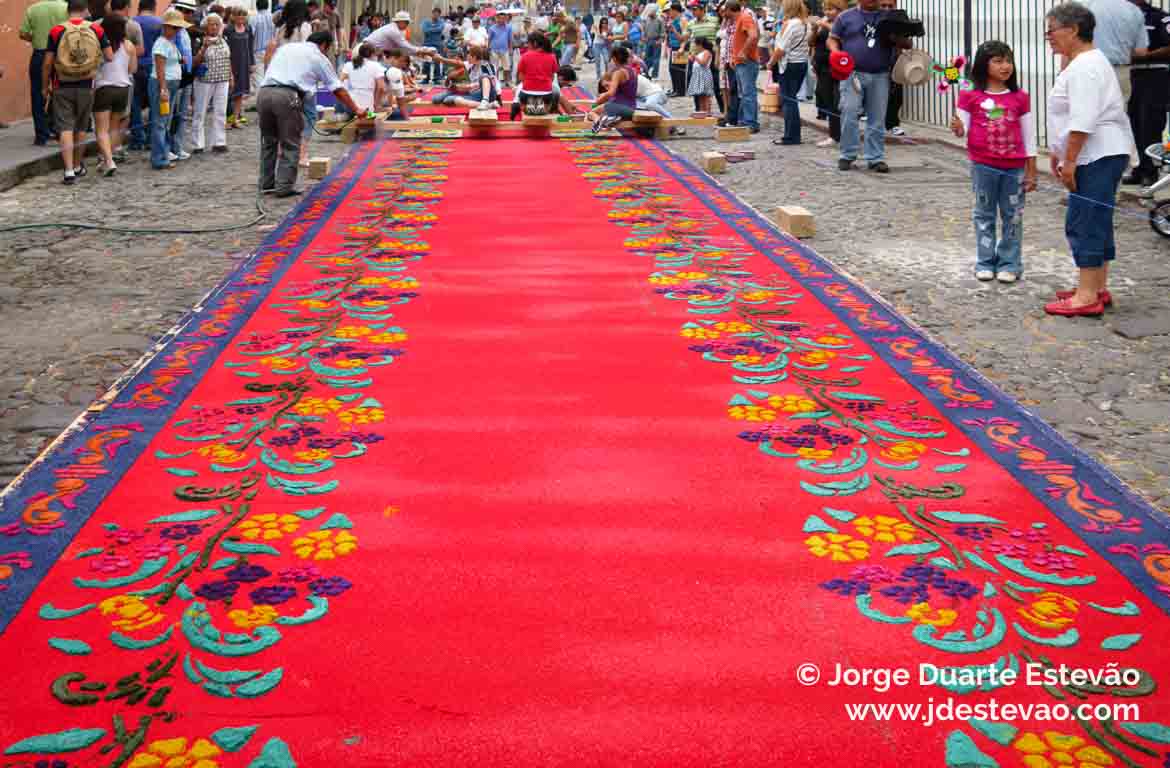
[80, 307]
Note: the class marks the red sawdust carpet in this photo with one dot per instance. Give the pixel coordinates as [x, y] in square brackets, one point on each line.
[584, 484]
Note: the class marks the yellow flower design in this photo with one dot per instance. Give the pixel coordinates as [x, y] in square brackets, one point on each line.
[815, 453]
[388, 337]
[373, 281]
[792, 403]
[1051, 610]
[222, 454]
[830, 340]
[733, 326]
[904, 450]
[347, 363]
[406, 282]
[129, 612]
[748, 358]
[757, 295]
[325, 545]
[257, 616]
[269, 526]
[1056, 749]
[362, 416]
[751, 413]
[839, 547]
[693, 275]
[817, 357]
[314, 304]
[317, 406]
[278, 362]
[352, 331]
[699, 333]
[922, 613]
[884, 528]
[174, 753]
[664, 280]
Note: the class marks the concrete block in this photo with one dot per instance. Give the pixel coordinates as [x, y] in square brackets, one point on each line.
[733, 133]
[319, 167]
[796, 221]
[714, 162]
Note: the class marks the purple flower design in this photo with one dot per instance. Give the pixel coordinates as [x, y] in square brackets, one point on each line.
[327, 442]
[274, 595]
[906, 594]
[181, 532]
[366, 437]
[218, 590]
[1032, 535]
[300, 573]
[286, 439]
[124, 536]
[248, 573]
[974, 532]
[50, 764]
[249, 409]
[847, 587]
[1054, 561]
[156, 550]
[874, 574]
[331, 586]
[1008, 549]
[109, 563]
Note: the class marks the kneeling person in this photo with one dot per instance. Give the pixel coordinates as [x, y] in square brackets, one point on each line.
[621, 95]
[296, 69]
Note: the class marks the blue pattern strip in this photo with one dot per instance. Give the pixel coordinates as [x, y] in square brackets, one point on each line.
[44, 550]
[1105, 484]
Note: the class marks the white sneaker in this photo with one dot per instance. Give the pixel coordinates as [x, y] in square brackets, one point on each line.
[484, 105]
[183, 155]
[897, 131]
[984, 275]
[1006, 277]
[826, 143]
[172, 156]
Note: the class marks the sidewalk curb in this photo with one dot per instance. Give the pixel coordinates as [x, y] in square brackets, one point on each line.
[38, 162]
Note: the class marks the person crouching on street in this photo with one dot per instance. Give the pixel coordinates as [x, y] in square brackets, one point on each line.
[296, 69]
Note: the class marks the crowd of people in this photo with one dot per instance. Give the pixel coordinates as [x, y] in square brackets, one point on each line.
[176, 83]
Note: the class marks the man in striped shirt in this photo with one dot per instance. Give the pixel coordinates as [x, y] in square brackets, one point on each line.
[705, 27]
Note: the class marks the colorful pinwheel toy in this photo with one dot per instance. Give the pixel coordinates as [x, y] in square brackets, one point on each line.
[952, 75]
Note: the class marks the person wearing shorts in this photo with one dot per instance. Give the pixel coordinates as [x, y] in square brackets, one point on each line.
[111, 94]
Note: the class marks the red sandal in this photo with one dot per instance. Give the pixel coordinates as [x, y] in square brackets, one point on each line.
[1064, 308]
[1105, 296]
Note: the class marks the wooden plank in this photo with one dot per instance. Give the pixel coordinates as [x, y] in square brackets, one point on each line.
[538, 121]
[483, 117]
[733, 133]
[646, 117]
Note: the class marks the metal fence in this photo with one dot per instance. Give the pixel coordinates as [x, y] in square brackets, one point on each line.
[957, 27]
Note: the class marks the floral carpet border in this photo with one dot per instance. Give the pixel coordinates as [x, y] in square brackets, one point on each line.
[1114, 521]
[79, 473]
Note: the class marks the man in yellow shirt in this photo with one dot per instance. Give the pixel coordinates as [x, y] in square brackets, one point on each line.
[39, 18]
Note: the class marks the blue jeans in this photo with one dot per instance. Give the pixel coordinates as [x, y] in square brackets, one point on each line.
[601, 62]
[998, 191]
[1088, 224]
[745, 81]
[433, 70]
[875, 93]
[160, 125]
[139, 131]
[653, 58]
[656, 103]
[310, 106]
[790, 81]
[180, 107]
[41, 130]
[568, 54]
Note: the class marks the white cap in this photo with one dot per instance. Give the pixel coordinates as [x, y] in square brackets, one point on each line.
[402, 16]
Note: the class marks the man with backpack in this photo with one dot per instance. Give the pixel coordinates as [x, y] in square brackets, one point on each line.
[76, 51]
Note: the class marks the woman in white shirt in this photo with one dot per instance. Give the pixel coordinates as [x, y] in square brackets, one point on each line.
[365, 78]
[1091, 144]
[112, 91]
[791, 54]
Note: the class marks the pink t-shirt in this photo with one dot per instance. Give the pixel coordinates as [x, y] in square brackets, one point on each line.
[996, 135]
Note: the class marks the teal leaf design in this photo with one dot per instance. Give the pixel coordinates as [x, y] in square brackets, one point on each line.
[925, 548]
[962, 753]
[50, 613]
[950, 468]
[190, 516]
[1017, 565]
[1149, 731]
[1069, 550]
[89, 552]
[1000, 733]
[182, 472]
[309, 514]
[966, 517]
[979, 562]
[226, 676]
[55, 743]
[71, 647]
[319, 606]
[249, 548]
[130, 644]
[274, 755]
[233, 739]
[840, 515]
[1063, 640]
[863, 606]
[145, 571]
[1128, 608]
[261, 685]
[816, 525]
[337, 520]
[1120, 642]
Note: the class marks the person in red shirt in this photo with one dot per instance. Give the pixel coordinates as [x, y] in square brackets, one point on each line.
[537, 68]
[73, 96]
[744, 52]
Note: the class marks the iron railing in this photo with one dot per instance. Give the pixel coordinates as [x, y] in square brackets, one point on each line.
[958, 27]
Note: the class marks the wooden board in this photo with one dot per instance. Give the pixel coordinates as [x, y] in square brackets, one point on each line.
[646, 117]
[538, 121]
[483, 117]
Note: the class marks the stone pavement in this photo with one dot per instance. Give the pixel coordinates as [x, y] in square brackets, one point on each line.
[79, 308]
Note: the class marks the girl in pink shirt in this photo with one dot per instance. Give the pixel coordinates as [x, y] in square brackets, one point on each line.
[996, 117]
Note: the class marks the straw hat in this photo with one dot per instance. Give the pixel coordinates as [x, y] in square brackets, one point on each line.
[402, 16]
[174, 18]
[912, 67]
